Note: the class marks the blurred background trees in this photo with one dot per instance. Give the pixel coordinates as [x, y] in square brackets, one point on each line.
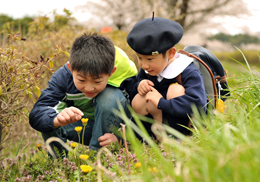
[195, 16]
[191, 14]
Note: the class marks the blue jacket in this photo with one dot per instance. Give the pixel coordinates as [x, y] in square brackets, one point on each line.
[60, 93]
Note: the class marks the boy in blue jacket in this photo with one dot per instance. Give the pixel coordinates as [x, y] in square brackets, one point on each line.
[85, 87]
[157, 93]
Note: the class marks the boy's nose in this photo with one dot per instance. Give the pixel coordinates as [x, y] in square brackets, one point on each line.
[88, 88]
[144, 66]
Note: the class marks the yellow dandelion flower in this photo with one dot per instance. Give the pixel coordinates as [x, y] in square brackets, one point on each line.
[84, 121]
[84, 157]
[220, 106]
[138, 164]
[86, 168]
[73, 145]
[155, 170]
[152, 169]
[78, 129]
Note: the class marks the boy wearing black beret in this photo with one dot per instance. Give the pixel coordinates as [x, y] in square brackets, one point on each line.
[157, 93]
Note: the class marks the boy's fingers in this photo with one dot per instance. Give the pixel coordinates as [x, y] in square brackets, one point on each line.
[106, 139]
[76, 110]
[147, 97]
[102, 138]
[70, 116]
[103, 144]
[65, 115]
[77, 117]
[61, 118]
[150, 83]
[69, 112]
[153, 89]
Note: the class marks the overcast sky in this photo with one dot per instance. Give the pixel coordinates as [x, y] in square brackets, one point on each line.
[20, 8]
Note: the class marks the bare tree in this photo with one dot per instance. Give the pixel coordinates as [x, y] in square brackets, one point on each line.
[194, 13]
[119, 13]
[189, 13]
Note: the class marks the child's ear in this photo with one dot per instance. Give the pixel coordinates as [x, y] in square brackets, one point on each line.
[68, 64]
[114, 69]
[172, 52]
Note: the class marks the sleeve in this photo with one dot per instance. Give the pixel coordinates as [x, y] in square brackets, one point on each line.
[194, 93]
[43, 113]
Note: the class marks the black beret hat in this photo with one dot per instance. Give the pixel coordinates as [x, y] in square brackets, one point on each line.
[155, 35]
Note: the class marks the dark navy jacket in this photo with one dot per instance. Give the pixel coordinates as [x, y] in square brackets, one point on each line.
[176, 111]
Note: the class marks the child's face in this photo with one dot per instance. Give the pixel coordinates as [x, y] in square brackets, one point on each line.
[154, 64]
[88, 85]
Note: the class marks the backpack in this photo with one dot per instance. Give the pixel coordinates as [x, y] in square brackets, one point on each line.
[214, 75]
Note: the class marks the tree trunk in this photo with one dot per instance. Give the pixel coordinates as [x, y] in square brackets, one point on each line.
[155, 7]
[184, 9]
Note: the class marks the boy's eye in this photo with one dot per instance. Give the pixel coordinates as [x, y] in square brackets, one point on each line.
[81, 80]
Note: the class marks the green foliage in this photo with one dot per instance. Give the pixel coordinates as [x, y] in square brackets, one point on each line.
[4, 18]
[34, 25]
[10, 25]
[237, 39]
[19, 82]
[252, 56]
[44, 24]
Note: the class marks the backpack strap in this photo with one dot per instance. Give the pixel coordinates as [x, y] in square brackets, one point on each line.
[212, 86]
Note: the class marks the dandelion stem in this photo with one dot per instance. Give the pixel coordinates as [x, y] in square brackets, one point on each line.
[79, 137]
[83, 149]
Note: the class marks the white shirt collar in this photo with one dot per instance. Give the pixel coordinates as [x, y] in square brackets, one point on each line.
[175, 68]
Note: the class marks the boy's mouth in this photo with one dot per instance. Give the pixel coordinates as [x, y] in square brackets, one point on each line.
[90, 93]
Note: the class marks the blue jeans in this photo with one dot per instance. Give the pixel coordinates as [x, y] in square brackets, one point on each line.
[105, 121]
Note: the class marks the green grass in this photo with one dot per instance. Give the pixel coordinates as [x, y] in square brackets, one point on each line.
[223, 147]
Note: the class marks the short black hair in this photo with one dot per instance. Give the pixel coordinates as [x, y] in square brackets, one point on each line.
[92, 54]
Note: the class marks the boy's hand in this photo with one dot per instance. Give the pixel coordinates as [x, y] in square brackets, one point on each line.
[144, 87]
[106, 139]
[67, 116]
[154, 96]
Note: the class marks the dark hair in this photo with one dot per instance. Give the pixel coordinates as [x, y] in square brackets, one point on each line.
[164, 53]
[92, 53]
